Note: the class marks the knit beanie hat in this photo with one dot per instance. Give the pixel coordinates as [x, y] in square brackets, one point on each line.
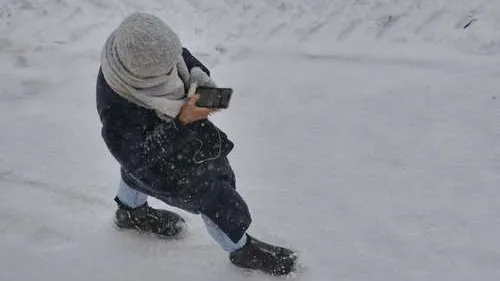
[147, 46]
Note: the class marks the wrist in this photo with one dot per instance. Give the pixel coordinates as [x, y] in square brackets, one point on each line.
[180, 120]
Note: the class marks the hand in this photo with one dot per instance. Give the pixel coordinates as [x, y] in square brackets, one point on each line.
[201, 77]
[191, 113]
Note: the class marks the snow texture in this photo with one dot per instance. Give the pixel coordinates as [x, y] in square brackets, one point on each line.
[367, 135]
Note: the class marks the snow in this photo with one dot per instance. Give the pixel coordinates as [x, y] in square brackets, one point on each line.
[367, 138]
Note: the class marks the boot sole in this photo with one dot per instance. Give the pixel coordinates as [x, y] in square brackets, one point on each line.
[183, 233]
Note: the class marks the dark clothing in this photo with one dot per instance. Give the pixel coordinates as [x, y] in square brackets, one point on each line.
[184, 166]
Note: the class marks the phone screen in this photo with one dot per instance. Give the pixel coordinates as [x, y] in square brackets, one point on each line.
[214, 97]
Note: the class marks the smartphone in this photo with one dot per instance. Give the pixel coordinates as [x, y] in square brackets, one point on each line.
[211, 97]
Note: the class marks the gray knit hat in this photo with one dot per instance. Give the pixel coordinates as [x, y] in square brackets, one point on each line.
[146, 46]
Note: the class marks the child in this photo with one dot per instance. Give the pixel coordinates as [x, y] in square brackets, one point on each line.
[166, 146]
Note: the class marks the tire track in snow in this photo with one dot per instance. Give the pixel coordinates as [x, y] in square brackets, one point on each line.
[12, 177]
[441, 65]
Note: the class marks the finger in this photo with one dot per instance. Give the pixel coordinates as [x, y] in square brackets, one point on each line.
[202, 111]
[194, 99]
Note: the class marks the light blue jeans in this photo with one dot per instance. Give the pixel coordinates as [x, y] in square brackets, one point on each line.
[134, 198]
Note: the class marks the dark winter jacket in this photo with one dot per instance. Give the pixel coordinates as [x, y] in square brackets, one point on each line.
[183, 165]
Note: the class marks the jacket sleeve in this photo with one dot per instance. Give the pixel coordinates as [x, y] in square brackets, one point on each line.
[138, 148]
[192, 61]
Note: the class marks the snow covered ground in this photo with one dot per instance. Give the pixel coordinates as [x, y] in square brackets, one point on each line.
[367, 134]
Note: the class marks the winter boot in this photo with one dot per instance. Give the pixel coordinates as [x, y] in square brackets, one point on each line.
[270, 259]
[147, 219]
